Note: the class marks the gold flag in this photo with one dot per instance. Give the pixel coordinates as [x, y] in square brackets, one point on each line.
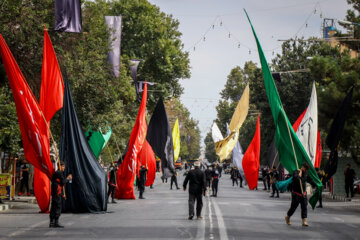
[224, 147]
[176, 139]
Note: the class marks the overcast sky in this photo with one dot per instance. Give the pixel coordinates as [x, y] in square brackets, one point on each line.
[212, 59]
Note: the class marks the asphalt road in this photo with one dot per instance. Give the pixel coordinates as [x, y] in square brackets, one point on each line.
[236, 213]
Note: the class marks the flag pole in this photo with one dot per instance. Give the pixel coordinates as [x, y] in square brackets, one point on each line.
[272, 165]
[292, 144]
[117, 146]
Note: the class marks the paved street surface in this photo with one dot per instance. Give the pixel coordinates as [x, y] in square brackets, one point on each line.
[235, 214]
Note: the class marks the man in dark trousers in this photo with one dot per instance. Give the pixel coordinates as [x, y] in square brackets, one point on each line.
[298, 195]
[349, 175]
[274, 175]
[58, 182]
[24, 177]
[215, 181]
[174, 180]
[235, 175]
[197, 188]
[141, 181]
[320, 175]
[112, 183]
[208, 176]
[264, 172]
[219, 169]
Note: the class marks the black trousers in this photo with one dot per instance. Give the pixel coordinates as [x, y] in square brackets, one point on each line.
[268, 183]
[199, 204]
[349, 188]
[295, 201]
[24, 181]
[234, 180]
[55, 210]
[214, 186]
[274, 189]
[264, 181]
[173, 180]
[241, 180]
[208, 181]
[111, 191]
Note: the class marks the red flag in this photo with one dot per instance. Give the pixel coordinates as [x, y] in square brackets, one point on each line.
[127, 170]
[251, 159]
[52, 84]
[42, 190]
[32, 125]
[318, 151]
[51, 100]
[147, 158]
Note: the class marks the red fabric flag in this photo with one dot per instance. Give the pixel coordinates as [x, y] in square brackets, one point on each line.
[33, 128]
[251, 159]
[318, 151]
[42, 190]
[128, 168]
[147, 158]
[51, 100]
[298, 121]
[52, 84]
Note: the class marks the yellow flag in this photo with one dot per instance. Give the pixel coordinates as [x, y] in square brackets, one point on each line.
[224, 147]
[176, 139]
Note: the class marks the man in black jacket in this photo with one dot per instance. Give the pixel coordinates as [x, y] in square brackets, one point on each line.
[57, 184]
[197, 188]
[298, 195]
[141, 181]
[112, 183]
[274, 176]
[349, 175]
[208, 174]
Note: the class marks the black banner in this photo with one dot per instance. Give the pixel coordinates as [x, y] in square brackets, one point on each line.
[68, 16]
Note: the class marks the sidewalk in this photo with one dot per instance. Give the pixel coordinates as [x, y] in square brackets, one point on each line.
[7, 204]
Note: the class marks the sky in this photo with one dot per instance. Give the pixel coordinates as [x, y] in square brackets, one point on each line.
[218, 37]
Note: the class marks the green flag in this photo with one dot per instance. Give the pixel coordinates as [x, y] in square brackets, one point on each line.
[291, 152]
[97, 140]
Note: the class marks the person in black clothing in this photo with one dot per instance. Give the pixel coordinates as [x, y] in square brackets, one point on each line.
[24, 176]
[112, 183]
[215, 181]
[349, 175]
[219, 169]
[57, 184]
[208, 176]
[235, 174]
[141, 181]
[320, 175]
[197, 188]
[174, 180]
[274, 175]
[298, 195]
[264, 172]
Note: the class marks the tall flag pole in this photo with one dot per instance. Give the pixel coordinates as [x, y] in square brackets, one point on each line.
[291, 155]
[224, 147]
[251, 159]
[127, 171]
[334, 136]
[34, 131]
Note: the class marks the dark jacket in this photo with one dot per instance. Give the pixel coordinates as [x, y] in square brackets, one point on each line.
[57, 182]
[112, 177]
[142, 177]
[208, 174]
[197, 181]
[235, 174]
[296, 182]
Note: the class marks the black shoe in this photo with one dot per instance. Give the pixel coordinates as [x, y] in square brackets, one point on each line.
[190, 217]
[170, 188]
[141, 197]
[113, 201]
[52, 223]
[271, 195]
[277, 197]
[177, 188]
[57, 225]
[320, 206]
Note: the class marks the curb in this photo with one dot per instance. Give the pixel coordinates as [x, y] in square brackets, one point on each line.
[4, 207]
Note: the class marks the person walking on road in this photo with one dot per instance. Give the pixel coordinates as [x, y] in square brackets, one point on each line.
[24, 176]
[197, 188]
[174, 180]
[274, 176]
[58, 182]
[141, 181]
[264, 172]
[112, 183]
[215, 181]
[298, 195]
[208, 176]
[349, 175]
[235, 174]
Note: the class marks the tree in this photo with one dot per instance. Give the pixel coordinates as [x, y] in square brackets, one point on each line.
[210, 153]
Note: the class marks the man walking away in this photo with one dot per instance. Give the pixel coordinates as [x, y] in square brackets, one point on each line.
[298, 195]
[174, 180]
[197, 188]
[349, 175]
[219, 169]
[141, 181]
[215, 181]
[208, 176]
[112, 183]
[24, 176]
[234, 176]
[264, 172]
[58, 182]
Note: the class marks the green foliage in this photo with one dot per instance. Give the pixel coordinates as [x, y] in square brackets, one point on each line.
[210, 153]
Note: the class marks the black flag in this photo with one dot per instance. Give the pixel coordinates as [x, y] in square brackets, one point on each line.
[334, 136]
[68, 16]
[87, 192]
[272, 156]
[160, 138]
